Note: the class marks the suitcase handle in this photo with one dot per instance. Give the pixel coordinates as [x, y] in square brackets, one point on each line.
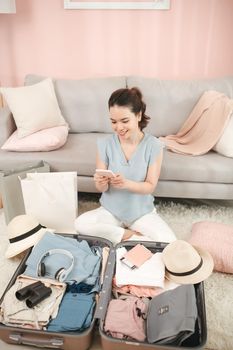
[55, 343]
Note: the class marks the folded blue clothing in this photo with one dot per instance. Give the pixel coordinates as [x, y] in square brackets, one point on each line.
[86, 263]
[79, 288]
[75, 313]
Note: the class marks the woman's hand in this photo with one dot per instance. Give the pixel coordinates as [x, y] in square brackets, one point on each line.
[119, 181]
[101, 182]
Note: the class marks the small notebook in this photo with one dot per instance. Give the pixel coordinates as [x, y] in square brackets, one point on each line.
[136, 256]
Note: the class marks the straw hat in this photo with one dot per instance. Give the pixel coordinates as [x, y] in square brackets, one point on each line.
[185, 263]
[24, 231]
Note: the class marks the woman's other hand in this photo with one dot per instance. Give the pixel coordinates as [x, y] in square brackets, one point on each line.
[119, 181]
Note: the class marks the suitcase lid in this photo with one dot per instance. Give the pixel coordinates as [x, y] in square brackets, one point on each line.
[105, 293]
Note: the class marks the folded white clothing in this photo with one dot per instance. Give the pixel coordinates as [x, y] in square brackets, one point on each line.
[149, 274]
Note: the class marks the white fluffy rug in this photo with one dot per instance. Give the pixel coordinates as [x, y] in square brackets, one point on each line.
[180, 215]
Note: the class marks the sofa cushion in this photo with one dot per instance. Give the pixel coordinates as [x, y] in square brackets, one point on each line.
[34, 107]
[43, 140]
[84, 103]
[224, 145]
[204, 169]
[169, 102]
[78, 154]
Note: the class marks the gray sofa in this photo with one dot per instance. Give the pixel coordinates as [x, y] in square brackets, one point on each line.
[84, 106]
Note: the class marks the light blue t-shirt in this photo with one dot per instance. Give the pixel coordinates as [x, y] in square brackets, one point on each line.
[125, 205]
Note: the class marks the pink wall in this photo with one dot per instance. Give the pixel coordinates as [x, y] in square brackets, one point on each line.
[191, 40]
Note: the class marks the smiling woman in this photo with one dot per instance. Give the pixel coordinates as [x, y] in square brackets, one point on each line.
[117, 5]
[127, 205]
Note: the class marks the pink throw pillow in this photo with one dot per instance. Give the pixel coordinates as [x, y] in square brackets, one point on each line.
[217, 238]
[41, 141]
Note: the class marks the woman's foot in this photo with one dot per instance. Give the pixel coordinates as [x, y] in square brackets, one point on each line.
[129, 233]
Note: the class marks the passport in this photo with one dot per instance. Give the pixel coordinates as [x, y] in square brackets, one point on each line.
[136, 256]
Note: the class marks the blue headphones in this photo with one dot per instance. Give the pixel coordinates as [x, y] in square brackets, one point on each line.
[60, 274]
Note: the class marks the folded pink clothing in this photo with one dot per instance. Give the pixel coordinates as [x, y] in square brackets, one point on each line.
[203, 127]
[217, 238]
[126, 318]
[138, 291]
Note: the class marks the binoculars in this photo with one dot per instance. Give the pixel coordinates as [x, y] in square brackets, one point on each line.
[35, 293]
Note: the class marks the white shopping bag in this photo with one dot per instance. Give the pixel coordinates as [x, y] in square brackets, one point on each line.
[52, 198]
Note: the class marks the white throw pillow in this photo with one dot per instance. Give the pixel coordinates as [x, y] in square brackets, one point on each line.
[224, 145]
[43, 140]
[34, 107]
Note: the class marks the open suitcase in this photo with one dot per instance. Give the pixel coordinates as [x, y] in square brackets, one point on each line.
[43, 338]
[196, 341]
[82, 341]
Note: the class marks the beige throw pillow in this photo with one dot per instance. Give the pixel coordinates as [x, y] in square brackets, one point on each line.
[224, 145]
[34, 107]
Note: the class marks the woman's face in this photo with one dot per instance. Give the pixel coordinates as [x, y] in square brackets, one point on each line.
[124, 122]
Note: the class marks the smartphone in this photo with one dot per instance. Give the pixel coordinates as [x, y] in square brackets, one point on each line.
[105, 172]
